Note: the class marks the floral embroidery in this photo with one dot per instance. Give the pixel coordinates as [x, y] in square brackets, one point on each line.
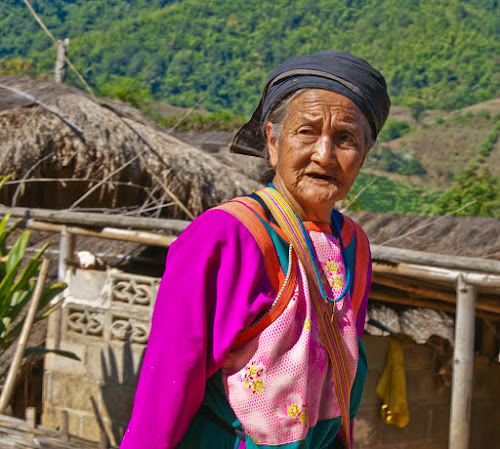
[258, 386]
[253, 377]
[332, 266]
[296, 412]
[337, 282]
[294, 409]
[307, 324]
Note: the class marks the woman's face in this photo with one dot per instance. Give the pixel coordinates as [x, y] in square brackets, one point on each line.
[318, 154]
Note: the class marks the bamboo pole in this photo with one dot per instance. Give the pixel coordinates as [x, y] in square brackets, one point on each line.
[436, 305]
[23, 337]
[481, 303]
[463, 366]
[146, 238]
[390, 297]
[430, 273]
[398, 255]
[96, 219]
[67, 249]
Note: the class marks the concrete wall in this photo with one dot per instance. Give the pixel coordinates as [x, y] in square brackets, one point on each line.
[106, 319]
[429, 408]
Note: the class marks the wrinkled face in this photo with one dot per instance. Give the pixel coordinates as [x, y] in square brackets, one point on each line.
[320, 149]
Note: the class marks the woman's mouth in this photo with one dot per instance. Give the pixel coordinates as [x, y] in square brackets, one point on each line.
[320, 177]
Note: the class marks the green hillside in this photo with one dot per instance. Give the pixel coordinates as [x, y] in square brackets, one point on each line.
[218, 52]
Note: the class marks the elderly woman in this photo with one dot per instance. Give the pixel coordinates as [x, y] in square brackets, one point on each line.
[255, 335]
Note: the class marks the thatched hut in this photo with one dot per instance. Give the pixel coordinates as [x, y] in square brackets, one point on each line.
[58, 143]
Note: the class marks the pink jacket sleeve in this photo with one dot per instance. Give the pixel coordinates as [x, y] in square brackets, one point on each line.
[213, 287]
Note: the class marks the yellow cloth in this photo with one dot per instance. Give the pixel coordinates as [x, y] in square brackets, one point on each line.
[391, 387]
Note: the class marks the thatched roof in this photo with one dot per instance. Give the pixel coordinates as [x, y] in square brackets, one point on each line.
[91, 138]
[453, 236]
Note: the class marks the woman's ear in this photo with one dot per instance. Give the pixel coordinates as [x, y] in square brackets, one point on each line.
[272, 148]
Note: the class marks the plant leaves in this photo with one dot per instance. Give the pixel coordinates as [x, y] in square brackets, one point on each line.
[51, 292]
[17, 251]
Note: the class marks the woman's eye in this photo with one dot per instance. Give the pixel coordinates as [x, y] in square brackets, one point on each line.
[346, 138]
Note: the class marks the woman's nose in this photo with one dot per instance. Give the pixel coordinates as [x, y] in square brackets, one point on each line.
[324, 151]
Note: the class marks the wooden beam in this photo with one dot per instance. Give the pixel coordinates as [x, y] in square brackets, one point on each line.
[96, 220]
[430, 273]
[405, 300]
[398, 255]
[415, 302]
[146, 238]
[482, 304]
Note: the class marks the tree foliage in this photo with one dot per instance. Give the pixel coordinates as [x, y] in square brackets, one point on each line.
[476, 193]
[380, 194]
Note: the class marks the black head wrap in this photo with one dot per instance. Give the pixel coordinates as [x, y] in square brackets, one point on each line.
[338, 71]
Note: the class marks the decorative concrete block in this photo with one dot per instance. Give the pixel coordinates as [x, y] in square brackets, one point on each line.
[85, 287]
[59, 363]
[73, 392]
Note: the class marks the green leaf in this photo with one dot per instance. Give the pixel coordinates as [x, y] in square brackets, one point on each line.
[3, 234]
[40, 350]
[3, 179]
[7, 232]
[3, 222]
[17, 251]
[51, 292]
[5, 290]
[27, 274]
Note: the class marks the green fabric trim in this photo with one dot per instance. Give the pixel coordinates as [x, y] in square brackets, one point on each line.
[280, 245]
[359, 381]
[350, 252]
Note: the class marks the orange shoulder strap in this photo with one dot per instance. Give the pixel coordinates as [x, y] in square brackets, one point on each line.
[362, 261]
[244, 209]
[247, 211]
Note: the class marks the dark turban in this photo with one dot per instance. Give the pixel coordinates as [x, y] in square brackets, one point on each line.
[338, 71]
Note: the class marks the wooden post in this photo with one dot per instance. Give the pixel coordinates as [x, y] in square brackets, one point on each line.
[62, 51]
[463, 366]
[66, 251]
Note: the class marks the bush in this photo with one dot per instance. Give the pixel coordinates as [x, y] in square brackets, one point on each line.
[476, 193]
[393, 129]
[405, 163]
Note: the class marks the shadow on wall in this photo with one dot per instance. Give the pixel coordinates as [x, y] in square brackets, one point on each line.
[118, 389]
